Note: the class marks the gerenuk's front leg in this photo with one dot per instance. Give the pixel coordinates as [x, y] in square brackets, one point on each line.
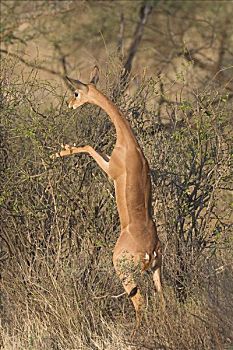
[69, 150]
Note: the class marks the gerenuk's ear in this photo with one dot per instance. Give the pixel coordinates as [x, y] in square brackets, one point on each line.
[94, 78]
[78, 85]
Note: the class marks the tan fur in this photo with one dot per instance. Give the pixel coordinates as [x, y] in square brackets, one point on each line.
[129, 170]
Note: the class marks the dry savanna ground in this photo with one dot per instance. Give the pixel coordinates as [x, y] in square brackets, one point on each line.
[168, 66]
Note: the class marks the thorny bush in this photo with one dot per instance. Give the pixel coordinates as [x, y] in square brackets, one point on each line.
[60, 223]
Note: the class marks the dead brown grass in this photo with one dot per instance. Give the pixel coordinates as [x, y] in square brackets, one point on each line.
[59, 225]
[63, 309]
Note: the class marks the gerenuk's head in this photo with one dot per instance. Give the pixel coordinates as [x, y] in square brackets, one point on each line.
[83, 93]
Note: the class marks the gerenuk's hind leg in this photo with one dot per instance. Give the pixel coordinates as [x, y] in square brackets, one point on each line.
[158, 284]
[134, 294]
[125, 270]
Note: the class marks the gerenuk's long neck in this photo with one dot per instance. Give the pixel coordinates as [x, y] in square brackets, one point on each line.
[123, 128]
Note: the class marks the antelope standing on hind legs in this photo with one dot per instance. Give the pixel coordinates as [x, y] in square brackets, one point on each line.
[138, 246]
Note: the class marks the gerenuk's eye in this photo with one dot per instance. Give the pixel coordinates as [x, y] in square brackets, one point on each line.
[76, 94]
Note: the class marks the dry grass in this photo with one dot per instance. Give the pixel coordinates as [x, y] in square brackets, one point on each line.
[62, 308]
[59, 226]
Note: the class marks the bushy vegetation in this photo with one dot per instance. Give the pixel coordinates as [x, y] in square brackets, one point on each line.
[59, 221]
